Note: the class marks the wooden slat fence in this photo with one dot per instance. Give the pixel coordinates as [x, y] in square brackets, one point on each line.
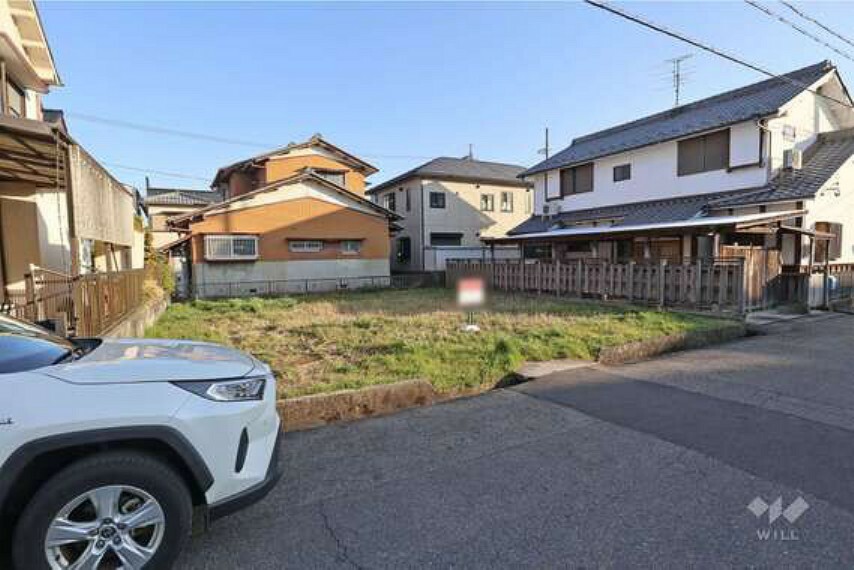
[86, 305]
[699, 284]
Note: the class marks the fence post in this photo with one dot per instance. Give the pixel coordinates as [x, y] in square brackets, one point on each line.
[630, 281]
[698, 284]
[662, 284]
[557, 277]
[741, 285]
[722, 286]
[30, 310]
[579, 277]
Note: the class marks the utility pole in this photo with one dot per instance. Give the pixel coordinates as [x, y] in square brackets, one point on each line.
[678, 77]
[545, 151]
[471, 151]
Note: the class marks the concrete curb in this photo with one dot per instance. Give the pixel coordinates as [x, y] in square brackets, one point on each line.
[320, 409]
[635, 351]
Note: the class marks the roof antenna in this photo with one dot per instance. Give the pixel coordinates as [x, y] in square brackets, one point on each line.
[678, 76]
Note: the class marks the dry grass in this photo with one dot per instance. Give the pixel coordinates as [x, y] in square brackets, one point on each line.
[350, 340]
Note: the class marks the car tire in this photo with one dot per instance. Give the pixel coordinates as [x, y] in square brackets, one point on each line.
[135, 479]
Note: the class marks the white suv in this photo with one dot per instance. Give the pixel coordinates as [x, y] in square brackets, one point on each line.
[113, 451]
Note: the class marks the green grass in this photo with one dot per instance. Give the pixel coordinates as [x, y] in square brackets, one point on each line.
[350, 340]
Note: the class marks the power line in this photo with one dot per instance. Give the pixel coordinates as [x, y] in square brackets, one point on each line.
[158, 172]
[771, 14]
[791, 7]
[213, 138]
[720, 53]
[163, 130]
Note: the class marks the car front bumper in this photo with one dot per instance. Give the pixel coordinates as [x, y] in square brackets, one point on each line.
[253, 494]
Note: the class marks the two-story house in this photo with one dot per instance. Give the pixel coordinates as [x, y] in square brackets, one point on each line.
[292, 220]
[59, 208]
[449, 206]
[322, 157]
[765, 168]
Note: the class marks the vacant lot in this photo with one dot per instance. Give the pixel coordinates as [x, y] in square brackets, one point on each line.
[350, 340]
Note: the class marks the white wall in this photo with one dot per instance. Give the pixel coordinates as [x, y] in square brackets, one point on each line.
[53, 231]
[835, 203]
[411, 222]
[806, 116]
[654, 175]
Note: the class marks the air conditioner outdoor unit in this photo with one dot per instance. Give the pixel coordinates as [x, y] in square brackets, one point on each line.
[793, 159]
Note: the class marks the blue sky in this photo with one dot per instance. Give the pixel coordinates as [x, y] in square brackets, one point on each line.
[395, 83]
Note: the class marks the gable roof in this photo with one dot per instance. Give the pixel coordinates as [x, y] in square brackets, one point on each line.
[315, 140]
[181, 197]
[742, 104]
[302, 177]
[821, 161]
[467, 169]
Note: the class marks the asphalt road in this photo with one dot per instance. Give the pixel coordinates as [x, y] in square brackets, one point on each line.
[645, 465]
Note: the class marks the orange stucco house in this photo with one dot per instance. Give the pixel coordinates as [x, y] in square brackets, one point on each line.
[300, 233]
[322, 157]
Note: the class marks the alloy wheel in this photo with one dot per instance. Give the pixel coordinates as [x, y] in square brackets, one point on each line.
[107, 528]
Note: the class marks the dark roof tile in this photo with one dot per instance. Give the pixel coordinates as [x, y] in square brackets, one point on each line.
[446, 167]
[753, 101]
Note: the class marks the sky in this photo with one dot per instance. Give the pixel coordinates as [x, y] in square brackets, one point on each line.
[394, 83]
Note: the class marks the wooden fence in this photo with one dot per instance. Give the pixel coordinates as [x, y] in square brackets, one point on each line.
[86, 305]
[701, 284]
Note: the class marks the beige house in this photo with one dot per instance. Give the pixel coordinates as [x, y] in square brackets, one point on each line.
[59, 208]
[449, 206]
[165, 203]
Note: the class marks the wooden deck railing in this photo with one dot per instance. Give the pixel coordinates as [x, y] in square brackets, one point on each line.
[86, 305]
[700, 284]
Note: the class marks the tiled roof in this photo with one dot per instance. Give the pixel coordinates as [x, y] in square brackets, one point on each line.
[821, 161]
[753, 101]
[649, 212]
[181, 197]
[446, 167]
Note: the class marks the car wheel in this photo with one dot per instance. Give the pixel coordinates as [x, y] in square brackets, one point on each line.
[112, 510]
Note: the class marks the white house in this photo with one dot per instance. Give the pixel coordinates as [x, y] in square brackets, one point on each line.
[765, 168]
[449, 206]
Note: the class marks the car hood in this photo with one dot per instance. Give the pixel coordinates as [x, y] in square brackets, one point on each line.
[150, 360]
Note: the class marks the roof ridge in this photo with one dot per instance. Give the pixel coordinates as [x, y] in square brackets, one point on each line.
[732, 93]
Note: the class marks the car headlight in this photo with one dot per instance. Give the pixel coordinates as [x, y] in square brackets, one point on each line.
[242, 390]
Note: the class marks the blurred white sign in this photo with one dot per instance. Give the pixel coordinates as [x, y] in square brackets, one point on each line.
[470, 292]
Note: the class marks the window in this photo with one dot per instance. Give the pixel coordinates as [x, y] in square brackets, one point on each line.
[446, 239]
[622, 172]
[26, 347]
[16, 100]
[390, 202]
[704, 153]
[507, 201]
[408, 201]
[305, 246]
[229, 247]
[537, 251]
[334, 176]
[404, 249]
[576, 180]
[351, 246]
[487, 202]
[437, 199]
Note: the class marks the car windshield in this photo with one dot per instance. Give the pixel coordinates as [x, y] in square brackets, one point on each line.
[24, 346]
